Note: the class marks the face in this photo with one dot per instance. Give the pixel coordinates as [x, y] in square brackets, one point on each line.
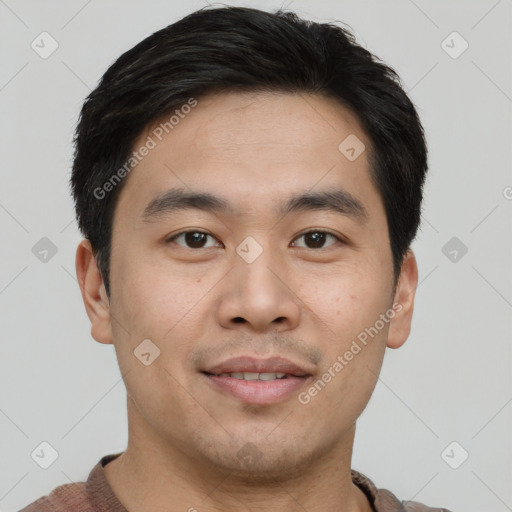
[246, 243]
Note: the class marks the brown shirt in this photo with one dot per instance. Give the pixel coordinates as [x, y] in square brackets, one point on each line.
[96, 495]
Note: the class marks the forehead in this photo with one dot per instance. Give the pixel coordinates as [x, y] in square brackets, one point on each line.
[269, 110]
[251, 147]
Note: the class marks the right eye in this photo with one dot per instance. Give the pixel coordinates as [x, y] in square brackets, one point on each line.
[192, 239]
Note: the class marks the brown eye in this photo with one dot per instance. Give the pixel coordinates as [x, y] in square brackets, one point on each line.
[193, 239]
[316, 239]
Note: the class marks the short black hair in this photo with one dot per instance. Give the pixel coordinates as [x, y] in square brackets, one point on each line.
[244, 49]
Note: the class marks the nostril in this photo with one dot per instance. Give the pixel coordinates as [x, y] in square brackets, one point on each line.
[239, 320]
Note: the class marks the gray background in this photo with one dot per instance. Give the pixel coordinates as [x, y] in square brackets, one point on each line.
[451, 381]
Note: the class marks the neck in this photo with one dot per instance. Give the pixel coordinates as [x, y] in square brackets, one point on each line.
[152, 476]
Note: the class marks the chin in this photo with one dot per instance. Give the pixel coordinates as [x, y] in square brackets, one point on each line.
[263, 461]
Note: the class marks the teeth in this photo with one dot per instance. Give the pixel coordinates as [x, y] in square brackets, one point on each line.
[271, 376]
[254, 376]
[250, 376]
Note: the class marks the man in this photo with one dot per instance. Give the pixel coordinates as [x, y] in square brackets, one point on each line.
[248, 185]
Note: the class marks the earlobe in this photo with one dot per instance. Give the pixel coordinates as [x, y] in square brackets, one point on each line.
[400, 325]
[93, 293]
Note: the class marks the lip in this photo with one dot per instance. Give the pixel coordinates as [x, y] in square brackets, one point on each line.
[258, 392]
[256, 365]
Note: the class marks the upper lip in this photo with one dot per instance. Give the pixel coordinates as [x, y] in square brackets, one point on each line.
[256, 365]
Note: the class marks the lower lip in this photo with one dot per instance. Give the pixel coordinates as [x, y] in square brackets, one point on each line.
[259, 392]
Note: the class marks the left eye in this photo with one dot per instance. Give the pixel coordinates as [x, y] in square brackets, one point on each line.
[193, 239]
[316, 239]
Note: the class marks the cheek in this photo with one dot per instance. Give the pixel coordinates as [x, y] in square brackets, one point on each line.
[349, 385]
[348, 301]
[153, 304]
[353, 347]
[167, 306]
[152, 297]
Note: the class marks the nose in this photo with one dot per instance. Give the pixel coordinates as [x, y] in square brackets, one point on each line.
[259, 296]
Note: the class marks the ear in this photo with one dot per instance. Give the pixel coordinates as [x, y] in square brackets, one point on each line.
[93, 293]
[400, 325]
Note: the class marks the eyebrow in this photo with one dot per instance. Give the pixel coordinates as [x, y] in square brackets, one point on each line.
[178, 199]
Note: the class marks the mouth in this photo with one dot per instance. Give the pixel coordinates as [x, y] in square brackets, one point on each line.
[256, 381]
[252, 368]
[251, 376]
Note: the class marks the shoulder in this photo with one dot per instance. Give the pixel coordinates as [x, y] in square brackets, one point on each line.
[93, 495]
[383, 500]
[60, 499]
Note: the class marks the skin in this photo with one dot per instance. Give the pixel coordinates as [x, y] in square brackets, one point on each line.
[253, 150]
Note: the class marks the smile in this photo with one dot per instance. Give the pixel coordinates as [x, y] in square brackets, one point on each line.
[256, 388]
[254, 376]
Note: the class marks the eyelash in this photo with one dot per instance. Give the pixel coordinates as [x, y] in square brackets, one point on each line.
[338, 239]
